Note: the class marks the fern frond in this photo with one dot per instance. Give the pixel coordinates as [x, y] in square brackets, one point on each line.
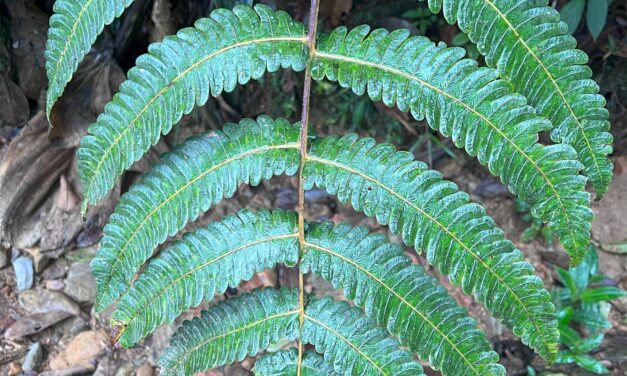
[399, 295]
[473, 107]
[184, 184]
[354, 344]
[208, 260]
[232, 330]
[478, 111]
[428, 213]
[285, 363]
[432, 215]
[204, 263]
[533, 51]
[229, 48]
[74, 27]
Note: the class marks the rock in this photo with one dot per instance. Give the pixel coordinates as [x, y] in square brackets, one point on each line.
[40, 260]
[14, 369]
[44, 301]
[55, 284]
[57, 270]
[33, 324]
[84, 254]
[235, 370]
[80, 284]
[159, 341]
[34, 358]
[125, 370]
[80, 370]
[145, 370]
[88, 237]
[82, 351]
[23, 267]
[609, 227]
[46, 308]
[4, 256]
[73, 326]
[106, 368]
[5, 322]
[490, 188]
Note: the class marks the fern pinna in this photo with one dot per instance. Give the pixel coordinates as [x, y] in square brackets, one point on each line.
[399, 310]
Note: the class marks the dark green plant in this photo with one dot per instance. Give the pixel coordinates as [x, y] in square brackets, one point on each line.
[596, 15]
[462, 40]
[583, 303]
[423, 18]
[536, 227]
[399, 309]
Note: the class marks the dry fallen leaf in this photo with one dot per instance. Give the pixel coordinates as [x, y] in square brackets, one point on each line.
[13, 104]
[28, 172]
[65, 198]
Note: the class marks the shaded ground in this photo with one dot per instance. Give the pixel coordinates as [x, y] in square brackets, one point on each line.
[40, 193]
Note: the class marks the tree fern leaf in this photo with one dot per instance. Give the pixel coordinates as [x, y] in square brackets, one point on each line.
[460, 100]
[473, 107]
[204, 263]
[432, 215]
[285, 363]
[232, 330]
[74, 27]
[532, 49]
[229, 48]
[208, 260]
[399, 295]
[354, 344]
[184, 184]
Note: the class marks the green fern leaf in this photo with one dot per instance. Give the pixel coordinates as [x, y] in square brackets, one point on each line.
[204, 263]
[74, 27]
[232, 330]
[229, 48]
[285, 363]
[354, 344]
[432, 215]
[470, 105]
[351, 169]
[399, 295]
[184, 184]
[208, 260]
[532, 49]
[478, 111]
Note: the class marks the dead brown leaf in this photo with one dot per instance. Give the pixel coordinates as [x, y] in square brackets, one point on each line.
[29, 171]
[66, 198]
[13, 104]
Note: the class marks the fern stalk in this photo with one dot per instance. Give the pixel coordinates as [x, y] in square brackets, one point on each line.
[304, 126]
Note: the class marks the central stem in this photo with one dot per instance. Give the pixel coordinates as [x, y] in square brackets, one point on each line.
[304, 124]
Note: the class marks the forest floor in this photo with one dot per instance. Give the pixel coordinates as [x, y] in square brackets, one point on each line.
[47, 246]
